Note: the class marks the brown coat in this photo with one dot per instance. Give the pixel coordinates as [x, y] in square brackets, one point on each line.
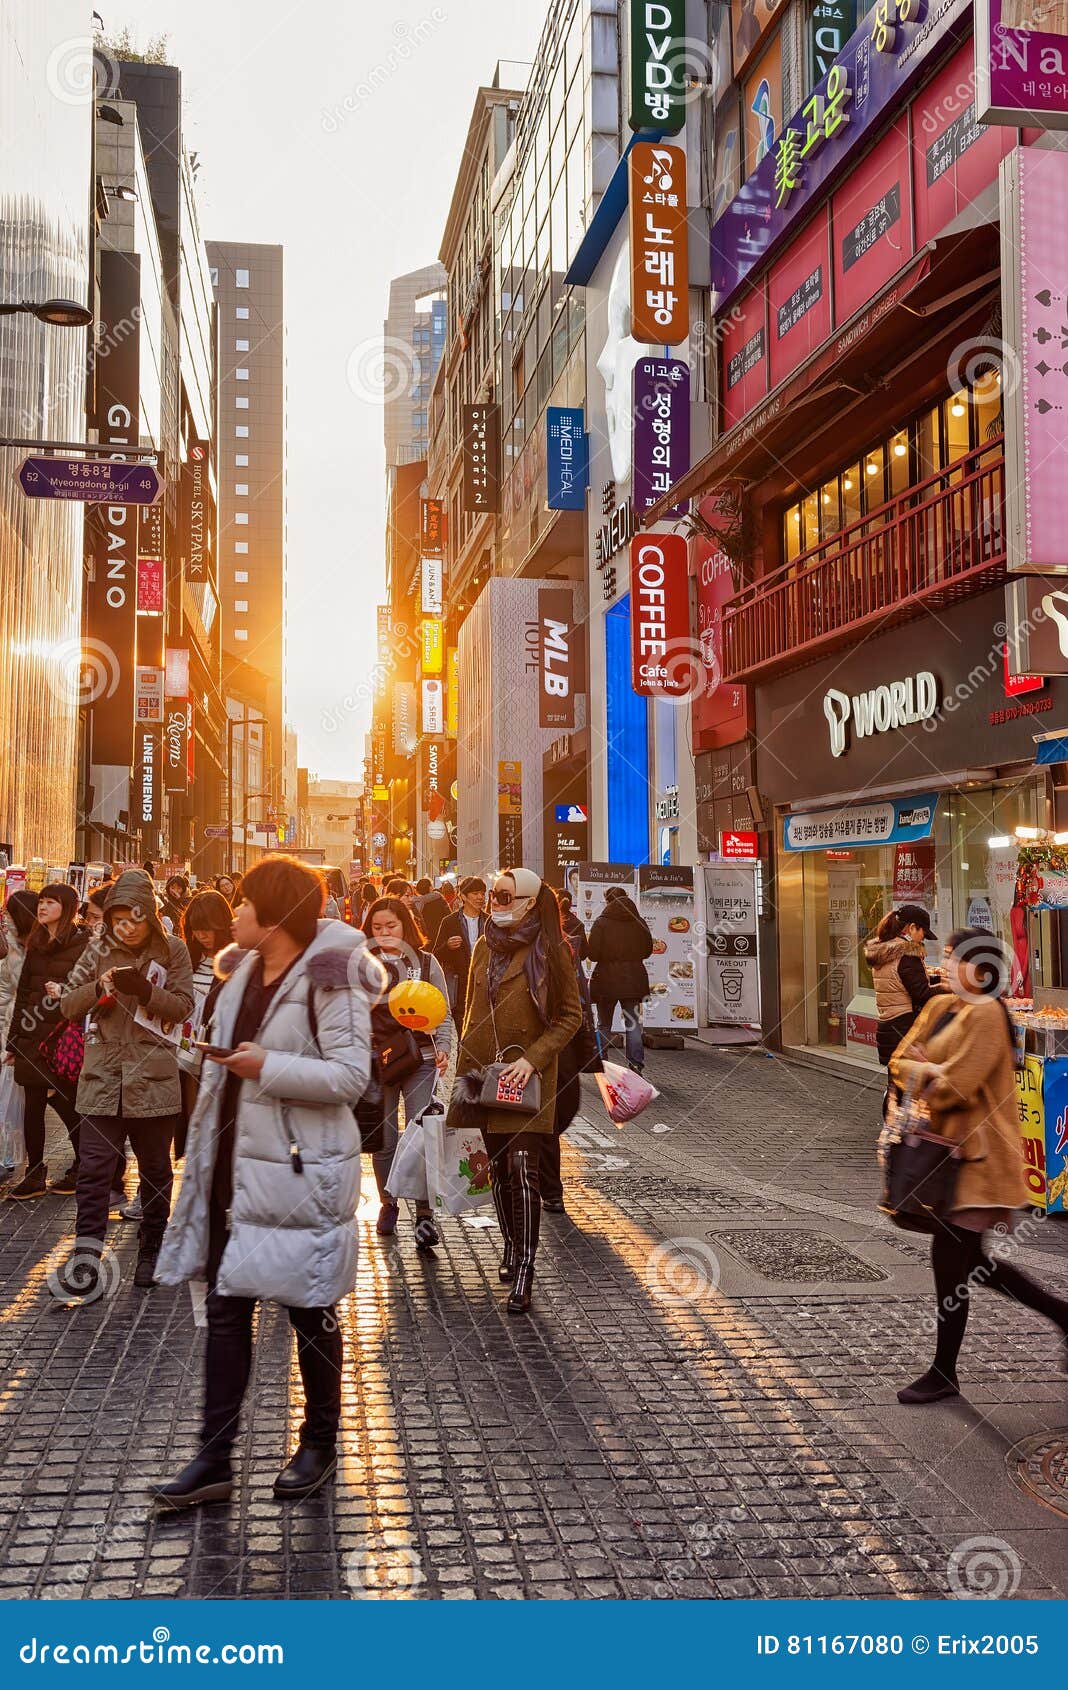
[974, 1102]
[519, 1024]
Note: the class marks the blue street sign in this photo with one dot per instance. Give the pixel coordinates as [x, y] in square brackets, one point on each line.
[92, 481]
[567, 458]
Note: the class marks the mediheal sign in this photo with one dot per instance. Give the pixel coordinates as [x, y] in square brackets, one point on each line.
[662, 660]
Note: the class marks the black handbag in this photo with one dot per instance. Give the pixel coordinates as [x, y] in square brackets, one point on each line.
[920, 1170]
[396, 1058]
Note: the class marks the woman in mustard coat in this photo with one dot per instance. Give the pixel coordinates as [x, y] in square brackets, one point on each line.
[523, 1004]
[959, 1057]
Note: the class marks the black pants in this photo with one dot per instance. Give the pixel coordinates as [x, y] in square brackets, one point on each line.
[228, 1363]
[515, 1160]
[960, 1266]
[37, 1100]
[102, 1140]
[550, 1183]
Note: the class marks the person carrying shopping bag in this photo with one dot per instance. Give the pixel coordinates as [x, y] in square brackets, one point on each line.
[43, 1048]
[407, 1063]
[522, 1009]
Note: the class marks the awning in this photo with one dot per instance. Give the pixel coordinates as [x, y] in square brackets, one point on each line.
[1052, 750]
[861, 357]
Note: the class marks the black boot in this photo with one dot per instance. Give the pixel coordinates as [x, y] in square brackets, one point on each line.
[145, 1271]
[207, 1478]
[305, 1472]
[502, 1202]
[34, 1183]
[80, 1279]
[526, 1225]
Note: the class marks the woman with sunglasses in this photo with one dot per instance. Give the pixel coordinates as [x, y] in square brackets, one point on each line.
[523, 1003]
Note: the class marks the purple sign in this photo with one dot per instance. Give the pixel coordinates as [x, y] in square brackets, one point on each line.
[661, 440]
[878, 64]
[1021, 63]
[91, 481]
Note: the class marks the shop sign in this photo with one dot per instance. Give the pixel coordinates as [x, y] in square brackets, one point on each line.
[947, 149]
[885, 55]
[148, 779]
[1036, 623]
[739, 846]
[872, 227]
[893, 821]
[914, 874]
[177, 731]
[431, 756]
[433, 707]
[793, 310]
[196, 505]
[1021, 63]
[830, 24]
[1055, 1114]
[510, 813]
[149, 586]
[432, 526]
[384, 633]
[616, 531]
[433, 644]
[659, 244]
[733, 990]
[746, 359]
[556, 690]
[567, 458]
[431, 582]
[661, 658]
[658, 65]
[481, 459]
[405, 732]
[897, 704]
[661, 431]
[150, 530]
[148, 694]
[1015, 685]
[1034, 238]
[1029, 1102]
[452, 691]
[177, 671]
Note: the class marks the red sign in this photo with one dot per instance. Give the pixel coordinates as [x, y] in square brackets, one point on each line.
[739, 847]
[871, 216]
[662, 656]
[1016, 684]
[720, 709]
[150, 586]
[914, 874]
[431, 527]
[659, 251]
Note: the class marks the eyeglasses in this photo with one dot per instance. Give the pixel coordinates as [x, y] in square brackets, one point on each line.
[502, 898]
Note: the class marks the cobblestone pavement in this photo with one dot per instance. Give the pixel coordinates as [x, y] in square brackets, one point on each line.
[701, 1405]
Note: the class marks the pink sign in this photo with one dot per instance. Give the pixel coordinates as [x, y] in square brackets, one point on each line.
[1034, 227]
[1021, 63]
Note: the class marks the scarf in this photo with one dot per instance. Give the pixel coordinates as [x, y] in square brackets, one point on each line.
[504, 942]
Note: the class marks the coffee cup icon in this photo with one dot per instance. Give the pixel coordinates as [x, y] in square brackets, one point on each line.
[730, 984]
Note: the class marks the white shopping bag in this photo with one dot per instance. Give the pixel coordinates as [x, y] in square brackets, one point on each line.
[12, 1103]
[624, 1093]
[407, 1176]
[457, 1166]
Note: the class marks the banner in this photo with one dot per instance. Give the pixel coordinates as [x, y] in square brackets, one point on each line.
[914, 875]
[433, 646]
[196, 511]
[149, 586]
[1030, 1102]
[432, 527]
[661, 434]
[148, 786]
[733, 991]
[567, 458]
[659, 245]
[431, 573]
[896, 820]
[177, 676]
[177, 729]
[666, 904]
[452, 691]
[509, 814]
[481, 459]
[662, 662]
[556, 693]
[432, 719]
[1021, 53]
[405, 732]
[1055, 1118]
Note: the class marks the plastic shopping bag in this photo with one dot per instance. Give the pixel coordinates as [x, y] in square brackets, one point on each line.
[407, 1176]
[457, 1166]
[12, 1103]
[624, 1092]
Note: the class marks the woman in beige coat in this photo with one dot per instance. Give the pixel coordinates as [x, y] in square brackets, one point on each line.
[959, 1057]
[522, 1003]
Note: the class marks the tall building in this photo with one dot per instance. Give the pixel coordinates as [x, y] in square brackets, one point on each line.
[414, 340]
[45, 145]
[248, 282]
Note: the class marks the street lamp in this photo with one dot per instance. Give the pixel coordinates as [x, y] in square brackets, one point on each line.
[61, 313]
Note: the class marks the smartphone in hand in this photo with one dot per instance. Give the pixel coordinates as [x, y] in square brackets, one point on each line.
[218, 1052]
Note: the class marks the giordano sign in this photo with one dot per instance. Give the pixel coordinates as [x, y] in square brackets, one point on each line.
[896, 704]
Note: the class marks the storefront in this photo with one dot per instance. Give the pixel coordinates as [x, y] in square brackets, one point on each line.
[899, 771]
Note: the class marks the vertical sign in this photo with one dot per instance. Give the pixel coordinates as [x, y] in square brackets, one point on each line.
[1034, 246]
[431, 758]
[666, 904]
[177, 665]
[731, 943]
[405, 733]
[567, 458]
[432, 526]
[510, 814]
[1021, 54]
[177, 728]
[481, 459]
[659, 249]
[150, 586]
[150, 529]
[430, 571]
[148, 693]
[662, 663]
[111, 530]
[556, 689]
[195, 499]
[452, 692]
[433, 642]
[658, 65]
[661, 439]
[433, 707]
[830, 24]
[148, 785]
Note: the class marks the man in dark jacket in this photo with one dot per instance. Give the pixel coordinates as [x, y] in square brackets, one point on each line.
[458, 935]
[619, 942]
[429, 909]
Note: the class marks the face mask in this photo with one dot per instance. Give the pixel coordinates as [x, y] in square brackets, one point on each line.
[512, 913]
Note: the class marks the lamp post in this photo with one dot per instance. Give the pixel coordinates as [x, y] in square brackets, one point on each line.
[60, 313]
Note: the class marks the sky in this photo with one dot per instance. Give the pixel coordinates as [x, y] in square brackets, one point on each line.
[335, 129]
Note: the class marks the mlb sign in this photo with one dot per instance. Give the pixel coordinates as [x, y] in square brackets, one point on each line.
[739, 847]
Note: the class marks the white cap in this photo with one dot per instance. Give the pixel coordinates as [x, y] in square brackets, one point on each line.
[527, 883]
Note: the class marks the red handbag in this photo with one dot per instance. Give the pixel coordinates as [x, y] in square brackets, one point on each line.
[62, 1050]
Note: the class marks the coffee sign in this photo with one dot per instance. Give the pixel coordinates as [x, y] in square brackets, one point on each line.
[661, 657]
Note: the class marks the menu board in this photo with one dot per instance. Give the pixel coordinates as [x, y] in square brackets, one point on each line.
[731, 937]
[666, 903]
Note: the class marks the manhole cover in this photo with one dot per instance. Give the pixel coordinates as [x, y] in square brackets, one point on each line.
[802, 1257]
[1039, 1466]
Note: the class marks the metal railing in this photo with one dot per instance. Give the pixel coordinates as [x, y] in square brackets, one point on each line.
[939, 540]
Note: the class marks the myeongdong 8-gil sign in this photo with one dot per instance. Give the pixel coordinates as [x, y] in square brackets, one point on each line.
[879, 62]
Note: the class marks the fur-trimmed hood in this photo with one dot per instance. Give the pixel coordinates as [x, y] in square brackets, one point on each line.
[336, 958]
[880, 953]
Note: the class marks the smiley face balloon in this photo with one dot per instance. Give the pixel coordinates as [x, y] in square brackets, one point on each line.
[418, 1005]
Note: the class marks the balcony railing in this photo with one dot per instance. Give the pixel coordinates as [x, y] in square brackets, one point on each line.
[940, 540]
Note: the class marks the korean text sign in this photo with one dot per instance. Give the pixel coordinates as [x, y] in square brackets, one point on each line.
[661, 661]
[659, 247]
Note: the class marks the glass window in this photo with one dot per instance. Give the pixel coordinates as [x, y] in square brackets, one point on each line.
[987, 420]
[240, 345]
[241, 489]
[241, 460]
[899, 462]
[810, 521]
[240, 633]
[240, 575]
[241, 374]
[241, 518]
[240, 546]
[241, 431]
[241, 311]
[240, 604]
[241, 278]
[875, 478]
[830, 509]
[929, 458]
[791, 532]
[852, 495]
[958, 424]
[241, 402]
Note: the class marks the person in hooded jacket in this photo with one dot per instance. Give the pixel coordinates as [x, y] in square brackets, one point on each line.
[17, 923]
[618, 944]
[899, 973]
[271, 1182]
[129, 1086]
[53, 949]
[175, 898]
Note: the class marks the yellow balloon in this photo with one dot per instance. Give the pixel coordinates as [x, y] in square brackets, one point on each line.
[418, 1005]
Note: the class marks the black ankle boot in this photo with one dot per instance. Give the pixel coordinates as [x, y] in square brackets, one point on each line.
[519, 1301]
[207, 1478]
[507, 1267]
[305, 1472]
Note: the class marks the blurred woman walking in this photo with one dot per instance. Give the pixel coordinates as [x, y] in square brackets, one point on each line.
[54, 946]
